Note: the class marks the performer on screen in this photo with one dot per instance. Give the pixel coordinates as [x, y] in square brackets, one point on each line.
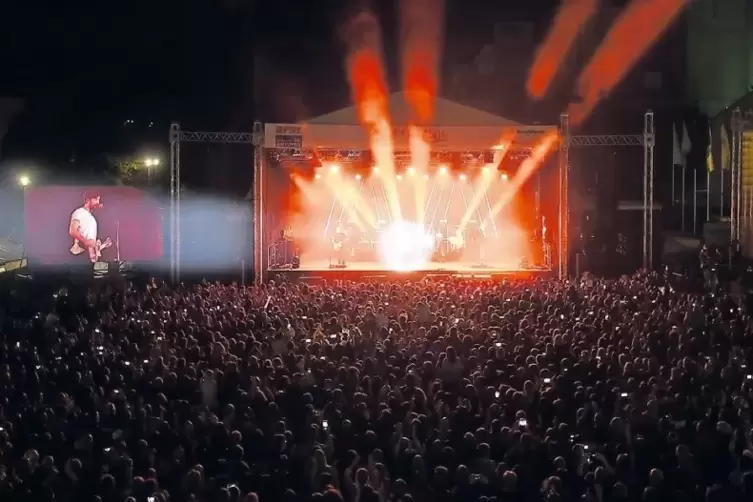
[338, 244]
[83, 229]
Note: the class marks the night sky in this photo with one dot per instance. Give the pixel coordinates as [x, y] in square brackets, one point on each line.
[86, 68]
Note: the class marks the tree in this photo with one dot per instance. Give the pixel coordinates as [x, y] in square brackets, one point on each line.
[126, 169]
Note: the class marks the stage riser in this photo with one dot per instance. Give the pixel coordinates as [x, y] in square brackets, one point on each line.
[381, 276]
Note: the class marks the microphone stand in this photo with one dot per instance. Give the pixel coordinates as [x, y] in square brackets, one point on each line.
[117, 241]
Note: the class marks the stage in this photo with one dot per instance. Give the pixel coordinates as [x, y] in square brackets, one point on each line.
[371, 270]
[317, 185]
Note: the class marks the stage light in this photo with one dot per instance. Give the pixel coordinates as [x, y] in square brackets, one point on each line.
[463, 177]
[375, 170]
[24, 180]
[504, 177]
[411, 171]
[358, 177]
[405, 246]
[443, 169]
[426, 176]
[334, 168]
[318, 176]
[399, 177]
[486, 170]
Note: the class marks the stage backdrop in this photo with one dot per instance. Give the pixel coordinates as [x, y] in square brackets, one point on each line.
[131, 218]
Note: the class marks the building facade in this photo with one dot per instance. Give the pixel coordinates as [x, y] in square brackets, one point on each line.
[719, 53]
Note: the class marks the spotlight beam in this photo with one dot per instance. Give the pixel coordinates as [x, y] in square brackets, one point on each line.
[639, 26]
[429, 200]
[420, 156]
[526, 170]
[449, 201]
[571, 17]
[365, 69]
[500, 152]
[465, 200]
[475, 196]
[351, 199]
[439, 201]
[491, 217]
[342, 211]
[329, 217]
[376, 200]
[422, 29]
[386, 203]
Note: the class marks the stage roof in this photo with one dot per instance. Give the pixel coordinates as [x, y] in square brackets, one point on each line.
[455, 127]
[446, 114]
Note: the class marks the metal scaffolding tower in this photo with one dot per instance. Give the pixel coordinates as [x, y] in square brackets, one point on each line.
[647, 140]
[178, 136]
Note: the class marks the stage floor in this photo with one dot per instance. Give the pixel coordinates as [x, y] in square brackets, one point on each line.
[321, 269]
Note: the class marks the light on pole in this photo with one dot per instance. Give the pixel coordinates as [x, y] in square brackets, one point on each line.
[24, 181]
[150, 162]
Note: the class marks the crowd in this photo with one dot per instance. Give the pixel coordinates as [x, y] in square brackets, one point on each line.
[445, 389]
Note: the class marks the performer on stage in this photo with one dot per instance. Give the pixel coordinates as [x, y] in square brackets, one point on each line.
[339, 242]
[284, 249]
[83, 229]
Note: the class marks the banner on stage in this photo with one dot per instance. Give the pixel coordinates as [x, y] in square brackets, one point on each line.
[288, 136]
[451, 138]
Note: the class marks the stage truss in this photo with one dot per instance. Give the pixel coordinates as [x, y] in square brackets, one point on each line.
[178, 136]
[256, 138]
[647, 140]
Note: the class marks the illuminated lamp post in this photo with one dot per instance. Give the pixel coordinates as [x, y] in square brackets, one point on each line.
[24, 181]
[150, 162]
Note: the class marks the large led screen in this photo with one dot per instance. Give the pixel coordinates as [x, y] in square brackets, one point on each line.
[79, 224]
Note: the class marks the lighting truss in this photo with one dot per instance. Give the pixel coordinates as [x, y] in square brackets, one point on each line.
[333, 155]
[293, 155]
[607, 140]
[329, 155]
[216, 137]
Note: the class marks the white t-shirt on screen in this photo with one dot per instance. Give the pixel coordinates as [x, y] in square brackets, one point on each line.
[87, 223]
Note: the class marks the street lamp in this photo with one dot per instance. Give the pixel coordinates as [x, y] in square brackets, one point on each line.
[24, 180]
[150, 162]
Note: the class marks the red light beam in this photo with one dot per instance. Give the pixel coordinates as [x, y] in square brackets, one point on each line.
[571, 17]
[632, 35]
[422, 31]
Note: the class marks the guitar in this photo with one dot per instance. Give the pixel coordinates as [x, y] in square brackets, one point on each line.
[339, 240]
[95, 252]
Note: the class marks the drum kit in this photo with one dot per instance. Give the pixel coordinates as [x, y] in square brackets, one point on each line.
[448, 244]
